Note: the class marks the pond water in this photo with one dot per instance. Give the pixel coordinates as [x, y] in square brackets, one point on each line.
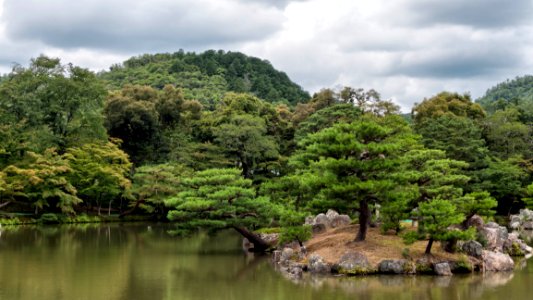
[142, 261]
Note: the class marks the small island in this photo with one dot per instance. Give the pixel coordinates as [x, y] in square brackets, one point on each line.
[332, 250]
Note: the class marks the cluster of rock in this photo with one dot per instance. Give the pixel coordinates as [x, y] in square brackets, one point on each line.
[522, 221]
[356, 263]
[331, 219]
[494, 255]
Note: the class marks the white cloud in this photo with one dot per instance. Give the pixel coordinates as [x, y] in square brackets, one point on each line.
[406, 49]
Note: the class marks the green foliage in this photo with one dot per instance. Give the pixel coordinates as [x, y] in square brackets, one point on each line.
[476, 203]
[506, 135]
[515, 92]
[42, 181]
[244, 138]
[326, 117]
[152, 184]
[529, 199]
[349, 164]
[50, 105]
[460, 137]
[435, 218]
[446, 103]
[100, 172]
[219, 198]
[207, 76]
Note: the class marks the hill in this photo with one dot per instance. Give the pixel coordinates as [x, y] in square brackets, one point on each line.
[516, 91]
[207, 76]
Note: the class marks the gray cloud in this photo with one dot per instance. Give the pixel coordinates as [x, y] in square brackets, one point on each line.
[475, 13]
[456, 64]
[139, 26]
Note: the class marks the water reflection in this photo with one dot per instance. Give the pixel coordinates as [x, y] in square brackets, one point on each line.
[144, 262]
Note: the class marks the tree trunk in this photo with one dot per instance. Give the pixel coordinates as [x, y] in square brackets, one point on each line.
[139, 202]
[109, 209]
[5, 204]
[364, 219]
[428, 247]
[260, 245]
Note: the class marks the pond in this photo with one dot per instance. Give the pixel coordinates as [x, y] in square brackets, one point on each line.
[143, 261]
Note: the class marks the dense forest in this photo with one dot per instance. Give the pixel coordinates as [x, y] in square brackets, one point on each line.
[222, 140]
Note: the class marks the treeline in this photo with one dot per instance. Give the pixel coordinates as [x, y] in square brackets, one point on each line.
[69, 145]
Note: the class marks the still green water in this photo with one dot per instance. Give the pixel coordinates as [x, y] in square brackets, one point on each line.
[143, 261]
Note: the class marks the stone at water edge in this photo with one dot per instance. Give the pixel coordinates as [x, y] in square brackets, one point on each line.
[495, 235]
[473, 248]
[316, 265]
[496, 261]
[396, 266]
[287, 255]
[442, 269]
[353, 263]
[514, 246]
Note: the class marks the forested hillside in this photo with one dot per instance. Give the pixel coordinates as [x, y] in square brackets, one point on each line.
[207, 76]
[155, 137]
[517, 92]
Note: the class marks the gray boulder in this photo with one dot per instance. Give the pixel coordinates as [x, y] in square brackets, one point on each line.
[317, 265]
[276, 256]
[318, 228]
[340, 221]
[287, 254]
[476, 221]
[496, 261]
[353, 263]
[331, 214]
[495, 235]
[527, 225]
[514, 246]
[396, 266]
[473, 248]
[322, 219]
[442, 269]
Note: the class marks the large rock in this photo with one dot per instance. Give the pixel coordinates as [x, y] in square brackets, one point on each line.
[443, 269]
[475, 221]
[322, 219]
[527, 225]
[353, 263]
[396, 266]
[287, 254]
[495, 235]
[424, 266]
[318, 228]
[514, 246]
[496, 261]
[473, 248]
[331, 214]
[270, 238]
[340, 221]
[317, 265]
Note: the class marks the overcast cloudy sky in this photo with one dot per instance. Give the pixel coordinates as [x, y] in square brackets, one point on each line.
[406, 49]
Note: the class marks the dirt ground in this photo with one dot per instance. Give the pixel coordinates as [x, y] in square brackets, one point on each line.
[333, 243]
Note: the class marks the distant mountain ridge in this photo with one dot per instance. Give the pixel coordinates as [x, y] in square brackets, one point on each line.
[207, 76]
[516, 91]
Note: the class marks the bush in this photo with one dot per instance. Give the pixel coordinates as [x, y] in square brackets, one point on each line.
[49, 218]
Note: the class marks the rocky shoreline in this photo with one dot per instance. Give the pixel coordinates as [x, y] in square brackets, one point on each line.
[492, 252]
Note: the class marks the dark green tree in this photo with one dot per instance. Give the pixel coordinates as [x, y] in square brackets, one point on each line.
[352, 163]
[220, 198]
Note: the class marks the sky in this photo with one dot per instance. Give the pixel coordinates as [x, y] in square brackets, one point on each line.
[407, 50]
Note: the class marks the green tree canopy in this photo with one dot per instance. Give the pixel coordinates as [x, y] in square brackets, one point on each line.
[220, 198]
[351, 163]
